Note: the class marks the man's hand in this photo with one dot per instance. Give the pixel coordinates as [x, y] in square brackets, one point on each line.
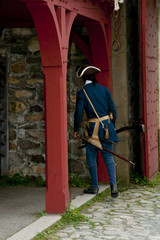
[75, 135]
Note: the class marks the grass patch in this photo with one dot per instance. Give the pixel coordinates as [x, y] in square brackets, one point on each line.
[143, 181]
[41, 214]
[69, 217]
[17, 179]
[76, 181]
[92, 225]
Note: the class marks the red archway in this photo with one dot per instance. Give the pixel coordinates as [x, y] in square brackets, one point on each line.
[98, 54]
[59, 17]
[53, 21]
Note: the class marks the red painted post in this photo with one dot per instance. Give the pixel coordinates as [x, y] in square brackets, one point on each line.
[53, 56]
[57, 194]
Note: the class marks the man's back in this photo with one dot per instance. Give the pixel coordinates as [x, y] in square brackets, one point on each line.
[101, 99]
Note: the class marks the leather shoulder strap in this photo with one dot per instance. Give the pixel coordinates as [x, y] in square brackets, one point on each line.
[93, 107]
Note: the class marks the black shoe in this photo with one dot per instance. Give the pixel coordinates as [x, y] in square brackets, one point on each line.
[114, 190]
[91, 190]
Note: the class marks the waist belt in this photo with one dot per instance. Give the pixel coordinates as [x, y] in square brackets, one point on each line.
[100, 119]
[94, 139]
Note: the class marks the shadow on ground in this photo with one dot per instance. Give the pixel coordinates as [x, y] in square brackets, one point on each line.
[21, 206]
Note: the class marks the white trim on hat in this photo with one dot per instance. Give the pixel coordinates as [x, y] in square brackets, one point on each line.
[78, 76]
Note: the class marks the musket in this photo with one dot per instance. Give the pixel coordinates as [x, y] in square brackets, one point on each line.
[105, 149]
[140, 127]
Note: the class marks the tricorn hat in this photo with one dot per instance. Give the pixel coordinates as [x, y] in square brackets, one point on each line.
[87, 70]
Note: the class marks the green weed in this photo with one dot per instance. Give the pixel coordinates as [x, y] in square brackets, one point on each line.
[17, 179]
[41, 214]
[143, 181]
[76, 181]
[92, 225]
[70, 216]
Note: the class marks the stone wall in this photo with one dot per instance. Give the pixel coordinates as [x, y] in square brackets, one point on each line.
[76, 157]
[25, 101]
[26, 124]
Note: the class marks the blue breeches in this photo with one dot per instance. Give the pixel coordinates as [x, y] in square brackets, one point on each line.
[91, 153]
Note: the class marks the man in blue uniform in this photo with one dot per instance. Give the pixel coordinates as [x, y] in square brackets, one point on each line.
[98, 104]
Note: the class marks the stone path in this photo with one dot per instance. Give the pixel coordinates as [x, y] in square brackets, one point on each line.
[134, 215]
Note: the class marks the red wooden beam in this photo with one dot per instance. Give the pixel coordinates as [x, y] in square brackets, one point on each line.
[57, 193]
[53, 35]
[86, 9]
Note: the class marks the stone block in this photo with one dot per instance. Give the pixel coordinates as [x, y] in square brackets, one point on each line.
[36, 108]
[3, 51]
[25, 171]
[78, 167]
[17, 107]
[12, 80]
[37, 159]
[11, 172]
[21, 32]
[40, 95]
[36, 68]
[26, 144]
[73, 147]
[38, 135]
[19, 49]
[33, 60]
[23, 94]
[36, 117]
[30, 126]
[73, 97]
[34, 81]
[21, 133]
[14, 119]
[18, 67]
[12, 146]
[31, 101]
[35, 151]
[38, 170]
[12, 135]
[34, 45]
[15, 160]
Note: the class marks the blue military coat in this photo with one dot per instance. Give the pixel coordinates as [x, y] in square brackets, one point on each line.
[102, 101]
